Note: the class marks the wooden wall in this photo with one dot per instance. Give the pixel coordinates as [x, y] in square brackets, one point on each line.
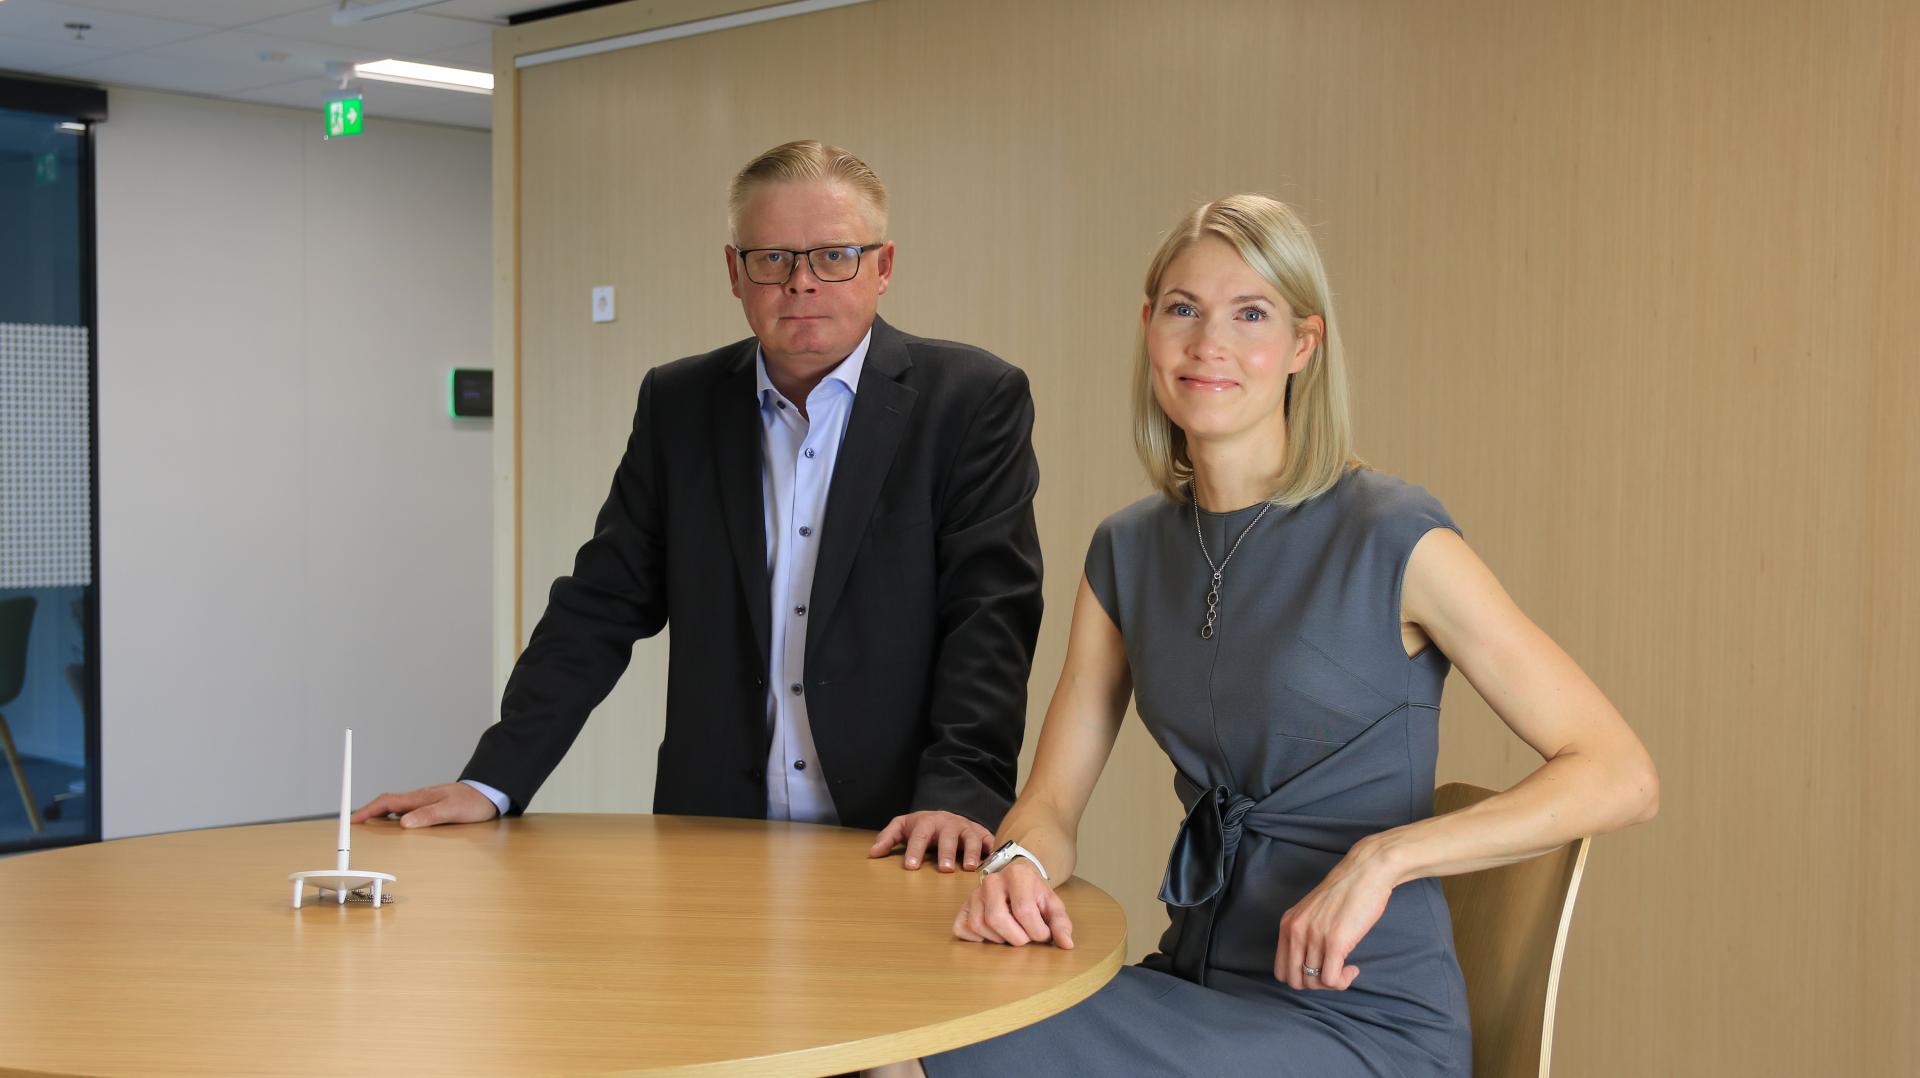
[1629, 286]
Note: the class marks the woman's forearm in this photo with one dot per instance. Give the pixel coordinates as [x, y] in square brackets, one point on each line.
[1568, 797]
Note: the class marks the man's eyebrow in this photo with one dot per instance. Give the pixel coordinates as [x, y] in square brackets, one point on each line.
[797, 250]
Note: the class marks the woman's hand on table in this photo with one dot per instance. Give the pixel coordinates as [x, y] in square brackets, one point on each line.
[1015, 907]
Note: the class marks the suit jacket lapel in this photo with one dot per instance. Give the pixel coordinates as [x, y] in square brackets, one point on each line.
[880, 412]
[736, 455]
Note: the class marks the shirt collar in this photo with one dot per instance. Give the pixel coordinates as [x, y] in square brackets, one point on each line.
[847, 373]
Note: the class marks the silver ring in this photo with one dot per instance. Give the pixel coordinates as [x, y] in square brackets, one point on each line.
[1311, 971]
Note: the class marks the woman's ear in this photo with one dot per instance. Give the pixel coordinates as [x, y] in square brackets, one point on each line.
[1309, 334]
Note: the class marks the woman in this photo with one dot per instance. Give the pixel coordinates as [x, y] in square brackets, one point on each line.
[1286, 618]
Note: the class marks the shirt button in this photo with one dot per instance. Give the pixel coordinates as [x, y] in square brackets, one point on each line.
[807, 453]
[799, 765]
[805, 531]
[796, 688]
[779, 404]
[800, 610]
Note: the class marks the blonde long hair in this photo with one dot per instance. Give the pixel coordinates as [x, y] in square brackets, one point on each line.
[1277, 245]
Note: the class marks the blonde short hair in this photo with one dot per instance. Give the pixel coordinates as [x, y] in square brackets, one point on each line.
[1278, 246]
[804, 161]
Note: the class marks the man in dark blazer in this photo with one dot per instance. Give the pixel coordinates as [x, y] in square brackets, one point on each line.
[837, 519]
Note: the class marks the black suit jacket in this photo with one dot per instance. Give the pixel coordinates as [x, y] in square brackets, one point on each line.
[925, 608]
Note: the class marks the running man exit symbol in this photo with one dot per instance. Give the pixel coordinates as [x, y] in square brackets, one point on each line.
[343, 117]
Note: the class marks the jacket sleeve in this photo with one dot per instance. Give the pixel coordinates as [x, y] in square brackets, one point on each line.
[987, 579]
[615, 595]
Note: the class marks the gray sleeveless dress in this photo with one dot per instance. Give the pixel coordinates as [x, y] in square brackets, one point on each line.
[1301, 727]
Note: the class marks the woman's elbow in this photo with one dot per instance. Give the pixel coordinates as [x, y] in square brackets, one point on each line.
[1644, 782]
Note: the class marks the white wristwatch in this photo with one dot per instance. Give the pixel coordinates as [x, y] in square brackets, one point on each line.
[1005, 856]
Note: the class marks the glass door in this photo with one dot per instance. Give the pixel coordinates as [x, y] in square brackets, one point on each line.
[49, 596]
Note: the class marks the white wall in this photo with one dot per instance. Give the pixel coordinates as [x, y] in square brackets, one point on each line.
[295, 537]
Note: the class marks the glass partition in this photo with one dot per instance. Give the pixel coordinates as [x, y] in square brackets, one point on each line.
[49, 602]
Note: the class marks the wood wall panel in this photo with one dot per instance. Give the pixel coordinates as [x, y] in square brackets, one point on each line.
[1627, 286]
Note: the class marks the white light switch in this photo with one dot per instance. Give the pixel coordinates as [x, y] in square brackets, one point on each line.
[603, 303]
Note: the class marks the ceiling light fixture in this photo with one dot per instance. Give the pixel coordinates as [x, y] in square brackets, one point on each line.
[440, 78]
[76, 128]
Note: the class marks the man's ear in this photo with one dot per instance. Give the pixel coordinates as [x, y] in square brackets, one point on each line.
[733, 269]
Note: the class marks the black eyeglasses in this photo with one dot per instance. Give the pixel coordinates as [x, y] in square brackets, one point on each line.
[774, 265]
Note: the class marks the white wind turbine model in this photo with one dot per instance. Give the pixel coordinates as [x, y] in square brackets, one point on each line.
[340, 879]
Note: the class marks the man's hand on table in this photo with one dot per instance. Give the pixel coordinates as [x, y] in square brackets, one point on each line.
[949, 834]
[449, 802]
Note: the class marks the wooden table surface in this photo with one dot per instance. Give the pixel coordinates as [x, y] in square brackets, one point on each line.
[547, 944]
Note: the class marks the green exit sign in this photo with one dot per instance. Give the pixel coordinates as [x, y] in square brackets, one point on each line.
[343, 117]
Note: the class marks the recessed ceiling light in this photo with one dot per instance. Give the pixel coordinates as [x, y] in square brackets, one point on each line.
[440, 78]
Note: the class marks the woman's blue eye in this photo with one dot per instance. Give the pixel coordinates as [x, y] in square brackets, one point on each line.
[1255, 314]
[1184, 310]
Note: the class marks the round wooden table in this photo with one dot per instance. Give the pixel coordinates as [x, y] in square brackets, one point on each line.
[546, 944]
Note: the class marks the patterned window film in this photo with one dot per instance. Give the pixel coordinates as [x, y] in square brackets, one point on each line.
[45, 478]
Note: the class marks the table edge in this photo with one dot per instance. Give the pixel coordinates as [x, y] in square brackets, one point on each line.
[854, 1056]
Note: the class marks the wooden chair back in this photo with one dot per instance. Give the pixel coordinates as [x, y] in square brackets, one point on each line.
[1510, 930]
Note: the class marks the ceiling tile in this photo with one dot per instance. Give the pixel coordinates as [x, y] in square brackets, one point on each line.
[403, 35]
[489, 9]
[270, 59]
[170, 73]
[43, 57]
[224, 14]
[111, 31]
[478, 56]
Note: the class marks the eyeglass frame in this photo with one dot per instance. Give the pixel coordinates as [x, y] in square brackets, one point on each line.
[860, 252]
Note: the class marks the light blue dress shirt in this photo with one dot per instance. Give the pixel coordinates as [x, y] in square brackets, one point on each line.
[797, 456]
[796, 469]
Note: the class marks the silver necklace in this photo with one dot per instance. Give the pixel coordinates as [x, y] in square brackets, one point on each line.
[1213, 587]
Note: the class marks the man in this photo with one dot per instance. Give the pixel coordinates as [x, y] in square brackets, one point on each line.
[837, 519]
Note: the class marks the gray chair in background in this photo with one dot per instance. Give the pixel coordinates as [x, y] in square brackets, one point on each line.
[16, 621]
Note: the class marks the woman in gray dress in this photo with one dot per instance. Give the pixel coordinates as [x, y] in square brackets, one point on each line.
[1285, 619]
